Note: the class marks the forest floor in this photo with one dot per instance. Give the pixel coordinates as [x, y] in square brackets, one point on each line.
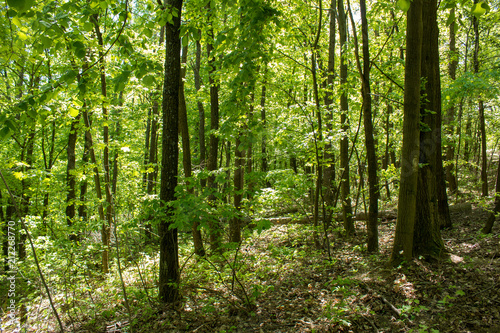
[292, 286]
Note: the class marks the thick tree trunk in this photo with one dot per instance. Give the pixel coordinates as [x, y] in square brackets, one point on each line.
[169, 275]
[403, 239]
[344, 121]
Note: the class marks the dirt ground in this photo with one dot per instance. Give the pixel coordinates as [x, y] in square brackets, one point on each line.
[302, 290]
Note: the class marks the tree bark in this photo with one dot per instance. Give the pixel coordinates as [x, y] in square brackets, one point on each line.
[328, 157]
[239, 163]
[482, 125]
[371, 156]
[201, 112]
[451, 114]
[491, 219]
[215, 232]
[186, 155]
[344, 121]
[169, 275]
[106, 227]
[403, 239]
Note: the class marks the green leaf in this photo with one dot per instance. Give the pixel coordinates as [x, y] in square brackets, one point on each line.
[404, 5]
[20, 5]
[5, 133]
[480, 9]
[451, 19]
[147, 32]
[46, 41]
[73, 112]
[148, 80]
[88, 26]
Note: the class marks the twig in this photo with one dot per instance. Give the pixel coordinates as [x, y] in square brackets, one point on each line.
[393, 308]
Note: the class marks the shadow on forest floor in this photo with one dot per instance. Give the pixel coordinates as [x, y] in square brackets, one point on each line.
[295, 288]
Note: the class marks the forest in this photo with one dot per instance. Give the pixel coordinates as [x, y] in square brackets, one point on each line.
[250, 166]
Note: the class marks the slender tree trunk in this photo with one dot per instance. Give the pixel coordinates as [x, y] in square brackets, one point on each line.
[114, 181]
[215, 231]
[388, 145]
[82, 208]
[249, 152]
[239, 163]
[263, 163]
[146, 149]
[328, 157]
[186, 154]
[451, 114]
[403, 239]
[25, 183]
[482, 125]
[97, 179]
[371, 156]
[106, 227]
[201, 112]
[71, 176]
[344, 121]
[153, 147]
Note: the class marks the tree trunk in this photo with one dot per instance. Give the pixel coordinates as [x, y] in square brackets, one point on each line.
[169, 275]
[482, 125]
[344, 121]
[371, 156]
[239, 163]
[114, 180]
[153, 148]
[82, 208]
[263, 163]
[106, 227]
[491, 219]
[201, 112]
[146, 149]
[186, 154]
[451, 114]
[215, 232]
[403, 239]
[71, 176]
[328, 157]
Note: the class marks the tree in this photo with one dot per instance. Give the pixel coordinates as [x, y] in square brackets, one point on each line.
[344, 121]
[169, 257]
[488, 226]
[427, 237]
[372, 225]
[403, 239]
